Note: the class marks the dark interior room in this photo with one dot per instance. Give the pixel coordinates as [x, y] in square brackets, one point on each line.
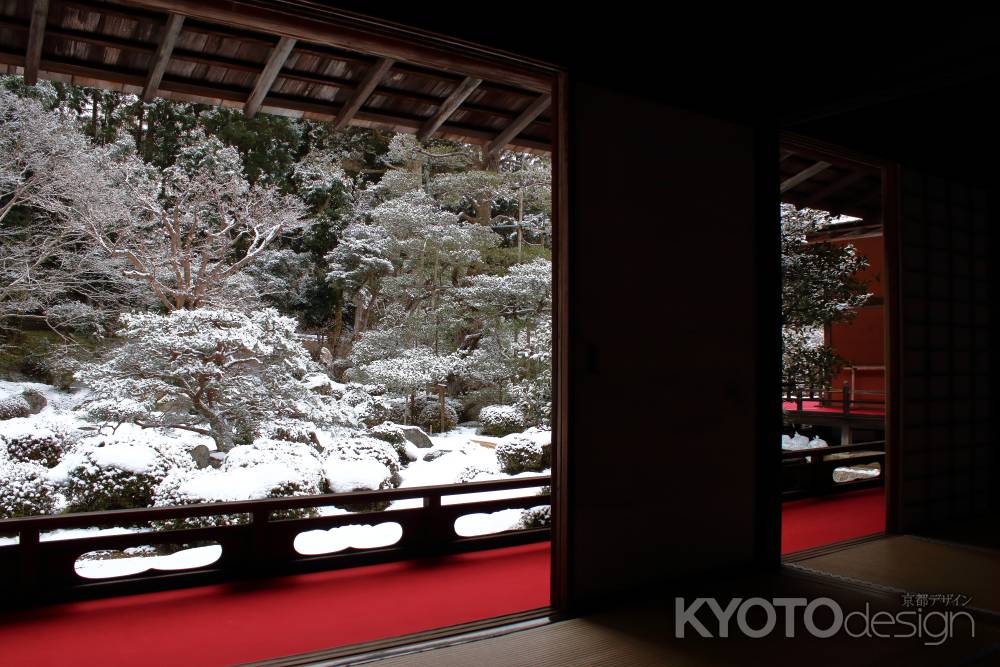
[674, 144]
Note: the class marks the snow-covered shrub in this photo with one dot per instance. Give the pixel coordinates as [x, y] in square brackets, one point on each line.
[389, 432]
[13, 407]
[318, 383]
[374, 412]
[45, 448]
[430, 417]
[355, 395]
[477, 473]
[115, 412]
[500, 420]
[366, 448]
[291, 430]
[375, 389]
[118, 474]
[24, 490]
[301, 460]
[535, 517]
[392, 434]
[361, 464]
[530, 451]
[217, 486]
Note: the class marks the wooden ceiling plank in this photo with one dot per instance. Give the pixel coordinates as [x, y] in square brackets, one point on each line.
[275, 61]
[523, 121]
[803, 176]
[835, 187]
[162, 56]
[339, 29]
[364, 90]
[448, 107]
[36, 36]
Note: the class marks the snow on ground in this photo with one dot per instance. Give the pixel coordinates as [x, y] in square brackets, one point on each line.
[130, 565]
[357, 536]
[452, 453]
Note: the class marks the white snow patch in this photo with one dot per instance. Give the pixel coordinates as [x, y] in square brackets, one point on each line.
[132, 457]
[346, 476]
[353, 536]
[131, 565]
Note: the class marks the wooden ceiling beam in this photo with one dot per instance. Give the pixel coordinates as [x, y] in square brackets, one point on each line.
[448, 107]
[262, 86]
[333, 27]
[364, 90]
[162, 56]
[36, 37]
[193, 91]
[803, 175]
[520, 123]
[835, 187]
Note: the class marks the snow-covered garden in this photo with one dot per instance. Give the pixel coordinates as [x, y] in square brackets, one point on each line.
[196, 307]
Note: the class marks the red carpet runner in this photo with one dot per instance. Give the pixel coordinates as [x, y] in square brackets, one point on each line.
[815, 522]
[227, 624]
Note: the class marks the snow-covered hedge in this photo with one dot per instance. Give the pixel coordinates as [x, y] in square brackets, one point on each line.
[477, 473]
[290, 429]
[530, 451]
[535, 517]
[44, 447]
[430, 417]
[13, 407]
[301, 461]
[392, 434]
[24, 490]
[500, 420]
[117, 474]
[374, 412]
[361, 464]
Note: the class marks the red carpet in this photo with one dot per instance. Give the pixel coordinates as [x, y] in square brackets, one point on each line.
[227, 624]
[815, 522]
[816, 406]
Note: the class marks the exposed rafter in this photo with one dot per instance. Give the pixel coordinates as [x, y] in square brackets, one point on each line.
[527, 117]
[803, 175]
[162, 56]
[279, 54]
[36, 36]
[364, 90]
[448, 107]
[835, 187]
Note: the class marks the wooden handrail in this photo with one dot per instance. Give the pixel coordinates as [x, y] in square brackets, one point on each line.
[35, 570]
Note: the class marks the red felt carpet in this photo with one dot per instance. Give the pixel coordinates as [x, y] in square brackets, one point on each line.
[815, 522]
[816, 406]
[227, 624]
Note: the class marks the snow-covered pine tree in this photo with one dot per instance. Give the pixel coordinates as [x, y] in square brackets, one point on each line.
[819, 286]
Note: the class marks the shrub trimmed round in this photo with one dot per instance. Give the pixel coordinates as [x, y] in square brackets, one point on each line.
[500, 420]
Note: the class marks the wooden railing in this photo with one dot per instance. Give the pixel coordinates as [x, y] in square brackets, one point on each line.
[846, 398]
[809, 472]
[36, 570]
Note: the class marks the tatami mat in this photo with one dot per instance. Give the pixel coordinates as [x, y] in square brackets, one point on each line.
[644, 636]
[917, 565]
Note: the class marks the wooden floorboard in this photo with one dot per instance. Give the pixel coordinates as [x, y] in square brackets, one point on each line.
[642, 635]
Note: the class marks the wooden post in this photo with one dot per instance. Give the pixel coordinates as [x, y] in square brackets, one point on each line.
[846, 395]
[441, 390]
